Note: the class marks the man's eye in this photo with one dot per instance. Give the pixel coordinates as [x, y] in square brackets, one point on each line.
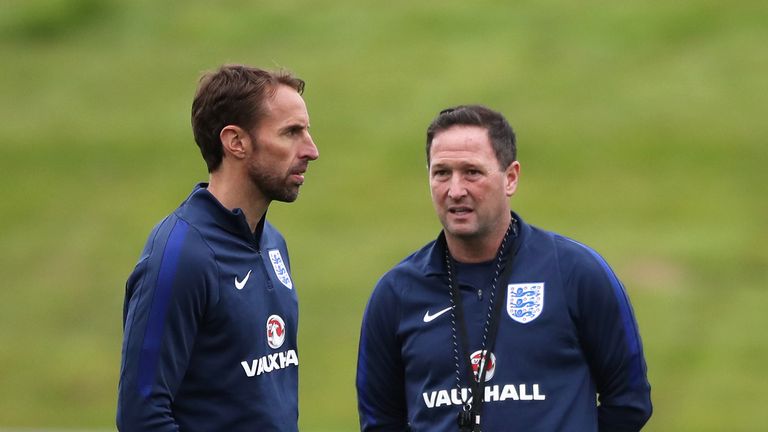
[293, 131]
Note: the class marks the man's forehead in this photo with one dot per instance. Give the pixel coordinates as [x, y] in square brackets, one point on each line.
[466, 143]
[467, 159]
[461, 130]
[286, 105]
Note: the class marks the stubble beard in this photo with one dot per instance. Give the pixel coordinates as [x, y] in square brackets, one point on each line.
[271, 186]
[459, 231]
[463, 233]
[472, 231]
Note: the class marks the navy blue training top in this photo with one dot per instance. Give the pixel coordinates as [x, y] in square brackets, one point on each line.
[566, 334]
[210, 321]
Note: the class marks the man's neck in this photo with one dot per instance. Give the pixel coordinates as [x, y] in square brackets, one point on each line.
[234, 194]
[473, 250]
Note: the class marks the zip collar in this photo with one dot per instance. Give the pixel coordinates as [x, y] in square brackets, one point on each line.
[433, 260]
[202, 206]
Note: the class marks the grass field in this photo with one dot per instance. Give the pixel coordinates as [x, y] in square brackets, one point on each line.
[641, 130]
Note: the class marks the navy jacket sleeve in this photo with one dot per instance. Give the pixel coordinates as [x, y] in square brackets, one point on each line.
[165, 300]
[380, 370]
[610, 339]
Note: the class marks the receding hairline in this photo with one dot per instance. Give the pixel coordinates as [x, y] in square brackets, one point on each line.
[485, 130]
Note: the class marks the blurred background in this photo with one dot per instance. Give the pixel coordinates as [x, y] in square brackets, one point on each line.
[641, 131]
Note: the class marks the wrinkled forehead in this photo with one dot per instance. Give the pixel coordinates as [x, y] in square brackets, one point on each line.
[461, 130]
[461, 142]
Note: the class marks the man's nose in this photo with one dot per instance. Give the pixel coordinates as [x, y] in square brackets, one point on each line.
[456, 189]
[310, 149]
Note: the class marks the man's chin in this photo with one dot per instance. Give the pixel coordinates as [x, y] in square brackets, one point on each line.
[288, 198]
[460, 230]
[287, 195]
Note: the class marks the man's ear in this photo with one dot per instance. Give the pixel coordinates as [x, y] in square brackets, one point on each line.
[235, 141]
[512, 176]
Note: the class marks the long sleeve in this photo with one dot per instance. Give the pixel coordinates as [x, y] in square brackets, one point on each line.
[380, 370]
[611, 341]
[164, 304]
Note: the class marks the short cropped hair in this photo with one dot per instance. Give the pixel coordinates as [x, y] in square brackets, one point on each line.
[500, 133]
[233, 95]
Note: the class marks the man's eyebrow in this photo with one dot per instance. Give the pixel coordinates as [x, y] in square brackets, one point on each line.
[294, 126]
[438, 165]
[463, 164]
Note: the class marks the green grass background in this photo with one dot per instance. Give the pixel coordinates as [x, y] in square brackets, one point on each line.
[642, 132]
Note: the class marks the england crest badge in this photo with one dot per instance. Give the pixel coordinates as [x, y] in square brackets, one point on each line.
[280, 270]
[525, 301]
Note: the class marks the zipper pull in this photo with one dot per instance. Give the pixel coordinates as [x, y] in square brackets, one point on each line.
[480, 295]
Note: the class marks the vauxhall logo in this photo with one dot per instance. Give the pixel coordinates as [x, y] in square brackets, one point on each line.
[477, 360]
[270, 362]
[275, 337]
[492, 393]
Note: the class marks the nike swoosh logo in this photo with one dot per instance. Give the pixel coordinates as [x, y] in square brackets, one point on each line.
[241, 284]
[428, 317]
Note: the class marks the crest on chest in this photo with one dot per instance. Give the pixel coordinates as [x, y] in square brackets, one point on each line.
[525, 301]
[281, 271]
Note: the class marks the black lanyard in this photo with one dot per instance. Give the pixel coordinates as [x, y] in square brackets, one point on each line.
[469, 417]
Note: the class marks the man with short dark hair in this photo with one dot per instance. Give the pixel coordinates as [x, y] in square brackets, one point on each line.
[210, 310]
[496, 325]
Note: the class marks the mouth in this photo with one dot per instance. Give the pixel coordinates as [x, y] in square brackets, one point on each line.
[298, 175]
[298, 178]
[460, 210]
